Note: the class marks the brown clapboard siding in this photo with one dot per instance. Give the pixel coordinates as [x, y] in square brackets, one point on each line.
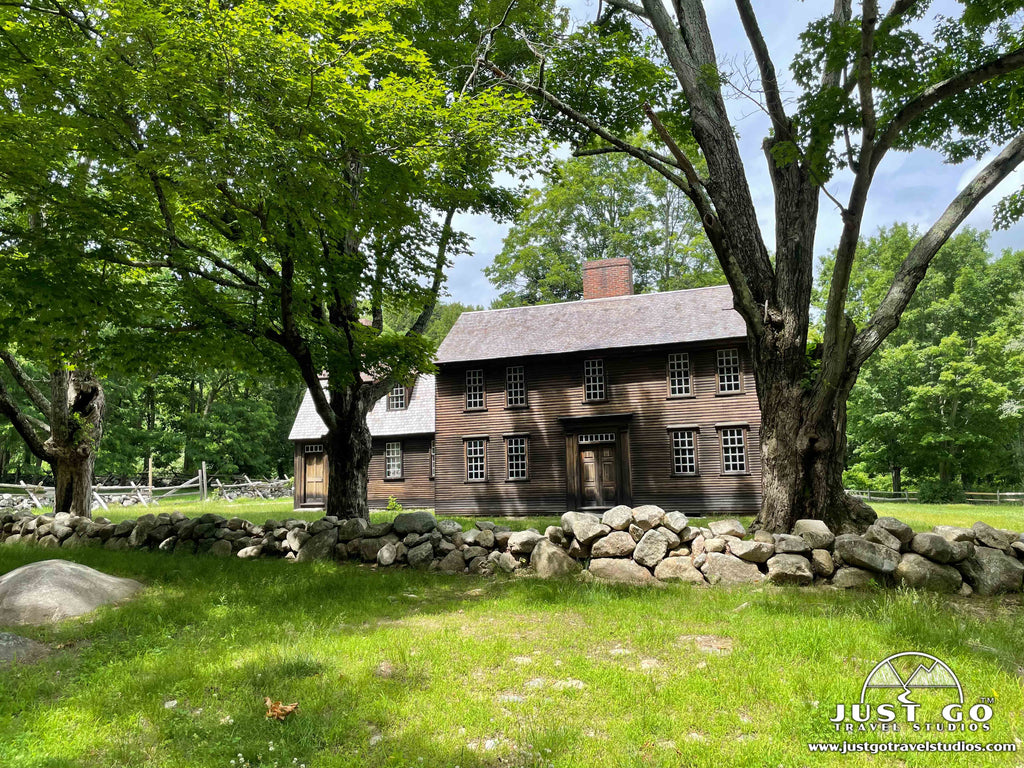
[636, 383]
[415, 489]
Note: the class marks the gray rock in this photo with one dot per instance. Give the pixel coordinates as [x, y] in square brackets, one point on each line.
[523, 542]
[449, 527]
[48, 542]
[615, 544]
[21, 650]
[651, 549]
[1017, 547]
[903, 532]
[386, 555]
[953, 533]
[479, 538]
[752, 551]
[368, 549]
[689, 533]
[648, 516]
[714, 545]
[852, 578]
[621, 571]
[788, 544]
[485, 525]
[414, 522]
[697, 545]
[670, 536]
[766, 536]
[636, 532]
[501, 537]
[988, 536]
[919, 572]
[250, 553]
[676, 522]
[51, 590]
[453, 562]
[378, 530]
[221, 548]
[720, 568]
[879, 535]
[556, 535]
[961, 550]
[679, 569]
[618, 518]
[991, 571]
[855, 550]
[140, 532]
[507, 563]
[551, 561]
[296, 538]
[815, 532]
[822, 564]
[585, 528]
[790, 569]
[934, 547]
[470, 553]
[320, 546]
[167, 545]
[729, 527]
[421, 555]
[577, 551]
[317, 526]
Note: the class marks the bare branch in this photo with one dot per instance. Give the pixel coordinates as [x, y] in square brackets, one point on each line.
[633, 8]
[23, 380]
[439, 263]
[769, 80]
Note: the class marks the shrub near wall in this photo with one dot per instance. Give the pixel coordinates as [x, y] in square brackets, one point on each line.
[641, 545]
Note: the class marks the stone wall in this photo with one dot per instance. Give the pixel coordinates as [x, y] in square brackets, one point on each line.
[642, 545]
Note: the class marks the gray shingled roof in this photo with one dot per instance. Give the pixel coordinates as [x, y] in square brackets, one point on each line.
[673, 317]
[416, 419]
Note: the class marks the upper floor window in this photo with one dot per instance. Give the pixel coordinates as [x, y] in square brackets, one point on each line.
[433, 458]
[515, 387]
[734, 450]
[476, 460]
[729, 377]
[679, 374]
[397, 399]
[684, 452]
[392, 461]
[474, 389]
[593, 380]
[516, 455]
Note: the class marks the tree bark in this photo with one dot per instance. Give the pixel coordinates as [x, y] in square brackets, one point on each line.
[74, 481]
[78, 407]
[897, 479]
[349, 448]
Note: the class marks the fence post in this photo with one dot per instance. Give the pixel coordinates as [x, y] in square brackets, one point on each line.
[32, 495]
[202, 482]
[150, 478]
[869, 494]
[997, 496]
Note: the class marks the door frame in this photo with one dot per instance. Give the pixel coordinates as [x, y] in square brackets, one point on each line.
[301, 500]
[617, 424]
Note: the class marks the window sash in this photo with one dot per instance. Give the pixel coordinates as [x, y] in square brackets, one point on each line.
[729, 375]
[593, 380]
[476, 460]
[474, 388]
[392, 460]
[433, 458]
[516, 457]
[684, 452]
[734, 451]
[515, 386]
[679, 374]
[598, 437]
[396, 399]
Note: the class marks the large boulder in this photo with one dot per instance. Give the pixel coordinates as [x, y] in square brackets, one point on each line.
[992, 572]
[648, 516]
[320, 546]
[676, 522]
[352, 529]
[822, 563]
[790, 569]
[479, 538]
[618, 518]
[988, 536]
[897, 528]
[954, 533]
[720, 568]
[788, 544]
[651, 549]
[678, 569]
[52, 590]
[584, 527]
[852, 578]
[815, 532]
[729, 527]
[523, 542]
[934, 547]
[858, 551]
[550, 561]
[752, 551]
[419, 557]
[414, 522]
[878, 535]
[623, 571]
[454, 562]
[615, 544]
[920, 572]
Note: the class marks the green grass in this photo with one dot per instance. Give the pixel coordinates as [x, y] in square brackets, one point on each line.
[923, 516]
[462, 655]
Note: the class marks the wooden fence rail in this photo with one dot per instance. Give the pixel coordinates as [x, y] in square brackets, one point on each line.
[972, 497]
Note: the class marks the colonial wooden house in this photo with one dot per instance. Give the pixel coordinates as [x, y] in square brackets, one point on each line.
[618, 398]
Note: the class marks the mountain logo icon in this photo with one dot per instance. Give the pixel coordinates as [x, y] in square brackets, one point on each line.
[919, 671]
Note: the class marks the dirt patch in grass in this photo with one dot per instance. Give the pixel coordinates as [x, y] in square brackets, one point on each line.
[715, 644]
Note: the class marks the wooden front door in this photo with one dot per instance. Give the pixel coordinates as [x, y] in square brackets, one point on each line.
[599, 475]
[315, 491]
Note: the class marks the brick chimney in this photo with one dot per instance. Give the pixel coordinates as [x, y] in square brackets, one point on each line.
[607, 277]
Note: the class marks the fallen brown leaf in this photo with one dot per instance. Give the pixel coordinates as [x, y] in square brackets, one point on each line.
[277, 710]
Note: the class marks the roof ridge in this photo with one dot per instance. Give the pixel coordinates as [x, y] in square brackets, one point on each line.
[595, 301]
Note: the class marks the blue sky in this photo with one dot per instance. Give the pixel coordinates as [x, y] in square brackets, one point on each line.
[912, 187]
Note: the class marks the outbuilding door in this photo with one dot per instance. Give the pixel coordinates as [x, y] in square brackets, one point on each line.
[315, 490]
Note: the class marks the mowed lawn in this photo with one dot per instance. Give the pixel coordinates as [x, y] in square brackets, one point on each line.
[399, 668]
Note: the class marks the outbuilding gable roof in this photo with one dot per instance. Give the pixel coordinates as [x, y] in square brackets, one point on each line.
[649, 319]
[416, 419]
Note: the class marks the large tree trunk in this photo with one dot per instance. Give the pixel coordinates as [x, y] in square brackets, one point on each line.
[897, 479]
[349, 448]
[78, 406]
[74, 480]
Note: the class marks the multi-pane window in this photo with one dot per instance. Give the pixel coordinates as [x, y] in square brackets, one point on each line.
[433, 458]
[396, 399]
[516, 457]
[729, 371]
[593, 379]
[679, 374]
[474, 388]
[515, 386]
[734, 450]
[598, 437]
[392, 460]
[476, 460]
[684, 452]
[317, 448]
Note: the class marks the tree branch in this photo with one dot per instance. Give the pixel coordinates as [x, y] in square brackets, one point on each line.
[22, 379]
[22, 424]
[441, 259]
[633, 8]
[769, 80]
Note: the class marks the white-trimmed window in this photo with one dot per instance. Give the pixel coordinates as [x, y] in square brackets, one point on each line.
[734, 450]
[517, 457]
[684, 452]
[476, 460]
[729, 376]
[515, 387]
[315, 448]
[474, 389]
[433, 458]
[397, 399]
[679, 375]
[392, 461]
[593, 380]
[597, 437]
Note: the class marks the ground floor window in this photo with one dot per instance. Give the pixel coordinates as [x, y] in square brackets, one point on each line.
[392, 461]
[516, 454]
[734, 450]
[684, 452]
[476, 460]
